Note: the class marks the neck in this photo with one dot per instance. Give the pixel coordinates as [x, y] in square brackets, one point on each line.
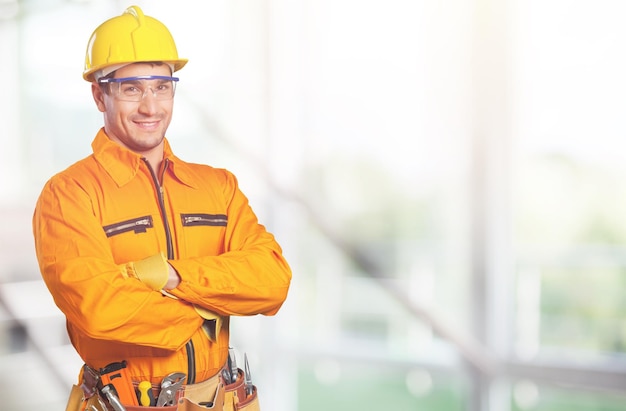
[154, 159]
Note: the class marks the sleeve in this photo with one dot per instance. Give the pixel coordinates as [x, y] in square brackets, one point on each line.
[251, 277]
[93, 292]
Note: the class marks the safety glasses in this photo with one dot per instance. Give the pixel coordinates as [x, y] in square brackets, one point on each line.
[136, 88]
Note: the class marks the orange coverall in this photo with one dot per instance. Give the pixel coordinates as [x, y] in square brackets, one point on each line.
[109, 209]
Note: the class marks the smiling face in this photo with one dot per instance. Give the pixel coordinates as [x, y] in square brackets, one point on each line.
[139, 126]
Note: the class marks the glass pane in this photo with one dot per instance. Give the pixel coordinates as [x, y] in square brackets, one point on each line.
[569, 175]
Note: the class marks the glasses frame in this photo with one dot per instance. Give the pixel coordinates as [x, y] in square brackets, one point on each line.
[113, 80]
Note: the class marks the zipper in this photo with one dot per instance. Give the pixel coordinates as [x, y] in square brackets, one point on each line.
[138, 225]
[189, 348]
[161, 197]
[204, 219]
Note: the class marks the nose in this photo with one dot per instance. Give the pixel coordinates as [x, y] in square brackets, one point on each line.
[148, 103]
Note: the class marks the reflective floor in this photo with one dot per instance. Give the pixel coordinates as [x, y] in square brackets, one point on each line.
[38, 364]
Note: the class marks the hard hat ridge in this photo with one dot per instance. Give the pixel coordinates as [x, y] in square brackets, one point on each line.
[129, 38]
[137, 13]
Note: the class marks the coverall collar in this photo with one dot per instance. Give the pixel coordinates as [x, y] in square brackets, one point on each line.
[122, 164]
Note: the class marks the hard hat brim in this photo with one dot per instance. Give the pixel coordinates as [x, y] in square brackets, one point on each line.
[88, 75]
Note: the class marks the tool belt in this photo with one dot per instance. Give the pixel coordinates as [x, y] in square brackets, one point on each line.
[109, 389]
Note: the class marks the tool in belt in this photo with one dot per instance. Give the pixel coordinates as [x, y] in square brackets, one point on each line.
[111, 387]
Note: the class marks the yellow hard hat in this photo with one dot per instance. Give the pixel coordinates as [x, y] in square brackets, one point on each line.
[129, 38]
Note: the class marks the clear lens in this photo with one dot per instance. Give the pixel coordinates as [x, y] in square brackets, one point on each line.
[136, 88]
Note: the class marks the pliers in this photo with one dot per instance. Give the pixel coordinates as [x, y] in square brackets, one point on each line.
[169, 386]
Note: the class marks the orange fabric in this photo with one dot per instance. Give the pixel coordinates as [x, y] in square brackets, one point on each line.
[105, 211]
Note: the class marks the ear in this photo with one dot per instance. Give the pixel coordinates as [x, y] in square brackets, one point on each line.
[98, 96]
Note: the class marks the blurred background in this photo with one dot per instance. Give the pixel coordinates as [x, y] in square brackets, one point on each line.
[446, 178]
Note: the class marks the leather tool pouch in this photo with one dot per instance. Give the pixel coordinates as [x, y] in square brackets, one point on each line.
[235, 396]
[211, 394]
[231, 397]
[75, 400]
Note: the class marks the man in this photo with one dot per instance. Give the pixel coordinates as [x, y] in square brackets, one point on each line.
[147, 255]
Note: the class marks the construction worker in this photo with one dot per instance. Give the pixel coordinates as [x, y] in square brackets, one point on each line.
[147, 255]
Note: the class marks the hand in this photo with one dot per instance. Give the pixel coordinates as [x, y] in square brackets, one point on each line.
[173, 279]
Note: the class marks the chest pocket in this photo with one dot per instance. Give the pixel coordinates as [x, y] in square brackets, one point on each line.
[138, 225]
[134, 238]
[203, 233]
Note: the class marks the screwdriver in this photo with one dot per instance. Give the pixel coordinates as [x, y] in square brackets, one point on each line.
[145, 394]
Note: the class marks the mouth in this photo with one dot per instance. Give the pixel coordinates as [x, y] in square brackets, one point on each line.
[147, 124]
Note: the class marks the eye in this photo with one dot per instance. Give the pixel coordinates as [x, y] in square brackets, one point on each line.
[163, 87]
[129, 89]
